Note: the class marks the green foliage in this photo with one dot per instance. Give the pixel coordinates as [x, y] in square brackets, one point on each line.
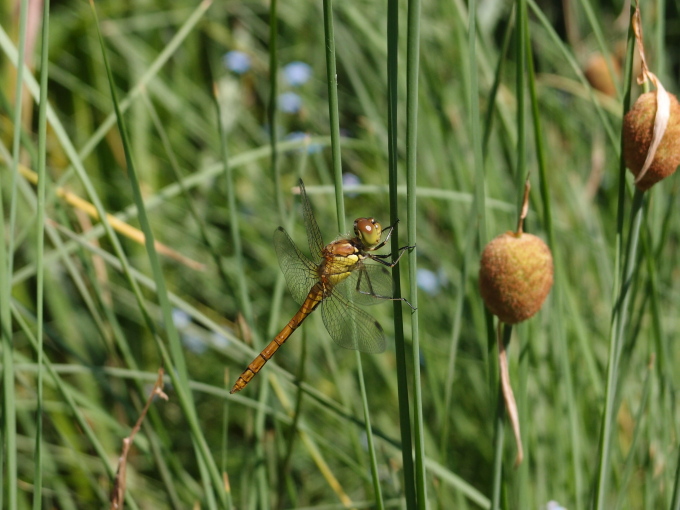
[188, 160]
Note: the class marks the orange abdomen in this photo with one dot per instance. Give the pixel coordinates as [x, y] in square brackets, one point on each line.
[315, 296]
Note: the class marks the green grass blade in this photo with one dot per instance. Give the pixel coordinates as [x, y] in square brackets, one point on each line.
[412, 75]
[40, 253]
[675, 503]
[566, 53]
[618, 333]
[562, 351]
[333, 115]
[7, 248]
[625, 267]
[409, 482]
[178, 371]
[334, 121]
[272, 107]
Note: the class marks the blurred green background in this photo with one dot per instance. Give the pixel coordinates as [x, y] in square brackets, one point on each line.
[274, 445]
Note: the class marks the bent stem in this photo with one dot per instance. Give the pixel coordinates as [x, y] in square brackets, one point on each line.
[508, 395]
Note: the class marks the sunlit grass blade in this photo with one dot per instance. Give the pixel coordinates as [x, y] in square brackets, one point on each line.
[177, 369]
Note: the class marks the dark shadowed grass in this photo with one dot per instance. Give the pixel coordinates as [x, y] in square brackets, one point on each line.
[440, 119]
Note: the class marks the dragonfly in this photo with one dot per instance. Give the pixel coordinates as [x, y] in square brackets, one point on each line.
[335, 279]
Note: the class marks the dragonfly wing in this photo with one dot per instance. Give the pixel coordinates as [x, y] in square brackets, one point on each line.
[299, 271]
[368, 284]
[311, 226]
[351, 327]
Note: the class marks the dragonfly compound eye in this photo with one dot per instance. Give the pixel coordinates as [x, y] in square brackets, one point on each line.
[368, 230]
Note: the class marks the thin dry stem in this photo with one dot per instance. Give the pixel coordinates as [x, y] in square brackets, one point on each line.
[118, 492]
[508, 396]
[119, 226]
[525, 207]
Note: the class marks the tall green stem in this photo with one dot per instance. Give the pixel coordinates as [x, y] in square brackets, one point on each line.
[412, 73]
[334, 119]
[399, 341]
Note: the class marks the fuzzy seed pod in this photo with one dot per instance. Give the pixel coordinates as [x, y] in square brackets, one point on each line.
[515, 276]
[638, 129]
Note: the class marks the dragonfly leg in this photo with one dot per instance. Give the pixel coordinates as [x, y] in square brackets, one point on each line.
[379, 258]
[389, 298]
[371, 292]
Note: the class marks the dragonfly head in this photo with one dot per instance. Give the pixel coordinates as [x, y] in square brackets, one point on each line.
[368, 231]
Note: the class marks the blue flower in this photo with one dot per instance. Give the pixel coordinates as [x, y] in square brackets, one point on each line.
[297, 73]
[194, 343]
[428, 281]
[349, 179]
[312, 148]
[219, 341]
[237, 61]
[180, 318]
[290, 102]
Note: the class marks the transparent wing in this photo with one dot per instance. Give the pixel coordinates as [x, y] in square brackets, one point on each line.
[299, 271]
[351, 327]
[311, 226]
[368, 284]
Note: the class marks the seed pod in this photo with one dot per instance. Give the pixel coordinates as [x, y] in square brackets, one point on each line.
[515, 276]
[638, 129]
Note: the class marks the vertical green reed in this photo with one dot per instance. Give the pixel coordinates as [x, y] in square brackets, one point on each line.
[675, 503]
[557, 325]
[412, 75]
[40, 252]
[334, 120]
[522, 173]
[263, 494]
[273, 101]
[480, 205]
[626, 265]
[399, 341]
[7, 233]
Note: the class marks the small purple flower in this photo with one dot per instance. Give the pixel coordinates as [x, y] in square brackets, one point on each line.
[237, 61]
[290, 102]
[297, 73]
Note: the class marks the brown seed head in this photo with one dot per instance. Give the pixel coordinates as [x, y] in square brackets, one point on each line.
[638, 128]
[515, 276]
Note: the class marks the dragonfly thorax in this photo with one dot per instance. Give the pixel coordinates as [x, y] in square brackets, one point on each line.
[368, 231]
[339, 259]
